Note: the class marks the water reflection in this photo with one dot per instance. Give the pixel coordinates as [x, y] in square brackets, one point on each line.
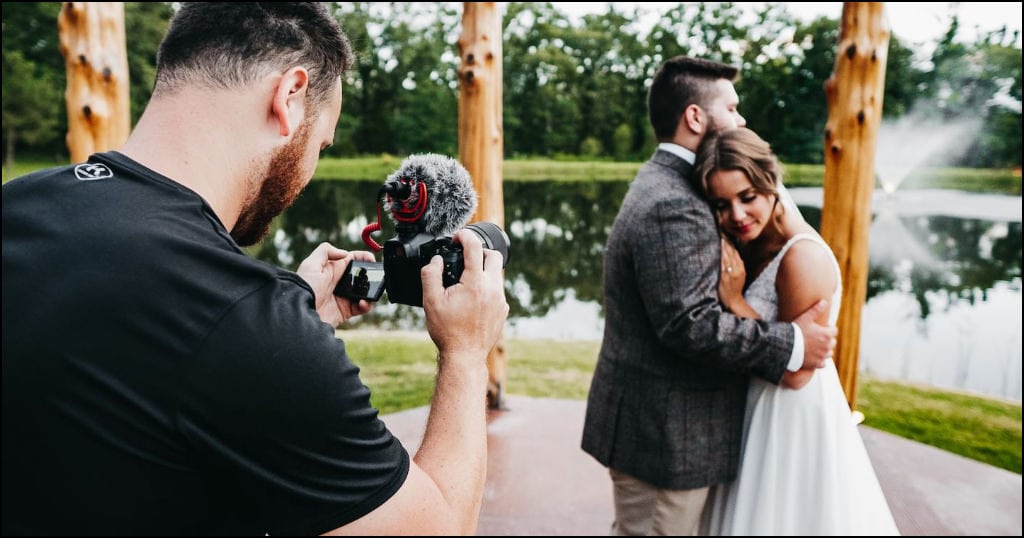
[944, 282]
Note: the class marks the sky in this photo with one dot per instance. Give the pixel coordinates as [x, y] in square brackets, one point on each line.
[912, 22]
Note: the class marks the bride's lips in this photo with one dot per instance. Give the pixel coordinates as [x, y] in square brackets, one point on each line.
[742, 229]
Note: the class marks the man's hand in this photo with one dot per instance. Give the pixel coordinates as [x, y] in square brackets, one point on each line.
[819, 340]
[322, 270]
[468, 317]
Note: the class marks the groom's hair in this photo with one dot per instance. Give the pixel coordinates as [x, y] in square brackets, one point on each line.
[680, 82]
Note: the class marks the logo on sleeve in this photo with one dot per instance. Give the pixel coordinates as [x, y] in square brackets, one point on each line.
[92, 171]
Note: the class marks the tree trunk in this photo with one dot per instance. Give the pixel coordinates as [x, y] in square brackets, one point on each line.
[481, 140]
[854, 93]
[92, 41]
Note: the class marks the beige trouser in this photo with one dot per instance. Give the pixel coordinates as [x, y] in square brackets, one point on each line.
[645, 510]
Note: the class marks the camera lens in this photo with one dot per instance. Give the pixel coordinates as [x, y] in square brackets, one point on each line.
[493, 237]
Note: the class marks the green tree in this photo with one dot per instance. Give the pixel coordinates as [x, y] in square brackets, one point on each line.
[145, 24]
[623, 141]
[902, 80]
[608, 82]
[999, 142]
[784, 67]
[33, 82]
[977, 87]
[565, 80]
[541, 111]
[31, 100]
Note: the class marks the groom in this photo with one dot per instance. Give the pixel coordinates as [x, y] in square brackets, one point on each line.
[666, 404]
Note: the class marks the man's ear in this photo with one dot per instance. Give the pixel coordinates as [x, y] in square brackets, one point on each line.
[693, 116]
[289, 104]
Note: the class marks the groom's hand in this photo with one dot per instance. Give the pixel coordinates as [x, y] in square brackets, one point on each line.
[819, 338]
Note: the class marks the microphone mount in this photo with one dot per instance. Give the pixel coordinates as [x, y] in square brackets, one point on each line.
[406, 212]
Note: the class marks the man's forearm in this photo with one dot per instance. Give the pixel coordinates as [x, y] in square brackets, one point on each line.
[454, 448]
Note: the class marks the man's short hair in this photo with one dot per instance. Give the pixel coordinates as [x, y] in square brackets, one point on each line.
[680, 82]
[227, 45]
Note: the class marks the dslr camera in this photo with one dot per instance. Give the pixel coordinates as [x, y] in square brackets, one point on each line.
[430, 198]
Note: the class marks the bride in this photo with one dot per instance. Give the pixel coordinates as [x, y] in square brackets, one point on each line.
[803, 468]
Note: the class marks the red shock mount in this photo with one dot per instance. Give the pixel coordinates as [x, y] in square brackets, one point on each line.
[402, 210]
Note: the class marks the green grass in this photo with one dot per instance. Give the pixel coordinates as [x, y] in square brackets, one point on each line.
[983, 429]
[399, 368]
[361, 168]
[797, 175]
[964, 179]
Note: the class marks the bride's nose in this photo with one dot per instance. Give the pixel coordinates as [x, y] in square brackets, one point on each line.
[736, 212]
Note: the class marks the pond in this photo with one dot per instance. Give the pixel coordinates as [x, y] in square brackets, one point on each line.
[943, 303]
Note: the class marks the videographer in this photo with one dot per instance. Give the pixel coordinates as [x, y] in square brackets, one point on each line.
[159, 381]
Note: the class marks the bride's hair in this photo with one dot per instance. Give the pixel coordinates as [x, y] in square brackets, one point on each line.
[741, 149]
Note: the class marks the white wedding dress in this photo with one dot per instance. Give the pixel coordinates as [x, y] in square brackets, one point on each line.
[803, 468]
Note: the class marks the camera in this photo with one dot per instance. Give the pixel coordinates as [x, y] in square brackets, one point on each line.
[429, 198]
[404, 257]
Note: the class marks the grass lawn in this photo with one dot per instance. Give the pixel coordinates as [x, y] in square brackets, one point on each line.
[796, 175]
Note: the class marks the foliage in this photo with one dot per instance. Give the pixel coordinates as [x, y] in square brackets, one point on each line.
[569, 86]
[33, 73]
[399, 368]
[145, 24]
[30, 98]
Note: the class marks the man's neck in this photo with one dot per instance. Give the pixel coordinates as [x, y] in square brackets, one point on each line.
[183, 138]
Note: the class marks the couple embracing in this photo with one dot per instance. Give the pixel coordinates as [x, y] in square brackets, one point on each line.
[715, 403]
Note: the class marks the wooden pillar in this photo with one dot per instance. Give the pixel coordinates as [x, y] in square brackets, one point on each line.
[854, 93]
[92, 41]
[481, 138]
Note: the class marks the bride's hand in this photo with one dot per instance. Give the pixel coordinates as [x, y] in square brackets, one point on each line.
[733, 277]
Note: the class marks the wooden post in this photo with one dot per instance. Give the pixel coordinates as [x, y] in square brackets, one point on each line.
[92, 41]
[481, 138]
[854, 93]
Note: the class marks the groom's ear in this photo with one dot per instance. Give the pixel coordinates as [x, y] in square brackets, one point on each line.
[694, 119]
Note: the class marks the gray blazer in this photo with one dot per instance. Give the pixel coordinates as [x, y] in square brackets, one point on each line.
[667, 399]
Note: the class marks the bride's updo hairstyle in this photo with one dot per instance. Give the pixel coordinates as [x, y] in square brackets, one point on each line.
[741, 149]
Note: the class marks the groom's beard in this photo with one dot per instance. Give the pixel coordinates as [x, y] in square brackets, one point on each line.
[283, 181]
[713, 126]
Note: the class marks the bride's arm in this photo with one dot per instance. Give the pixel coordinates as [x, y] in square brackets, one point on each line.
[730, 293]
[805, 276]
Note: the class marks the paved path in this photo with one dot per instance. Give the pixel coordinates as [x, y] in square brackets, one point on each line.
[541, 483]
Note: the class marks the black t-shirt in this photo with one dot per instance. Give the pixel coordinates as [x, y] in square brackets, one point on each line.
[157, 380]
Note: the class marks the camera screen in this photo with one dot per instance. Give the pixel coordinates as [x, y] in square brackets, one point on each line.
[362, 280]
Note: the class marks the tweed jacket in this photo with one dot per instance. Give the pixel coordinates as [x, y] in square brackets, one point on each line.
[668, 394]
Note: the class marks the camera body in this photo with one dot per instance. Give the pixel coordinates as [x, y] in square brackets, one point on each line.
[406, 254]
